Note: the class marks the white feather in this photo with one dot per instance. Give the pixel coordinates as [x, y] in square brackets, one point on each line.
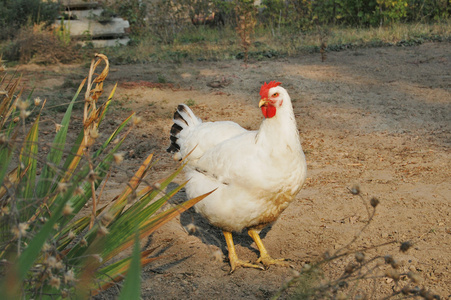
[256, 173]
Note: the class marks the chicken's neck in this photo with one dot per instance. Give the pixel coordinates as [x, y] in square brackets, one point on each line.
[280, 130]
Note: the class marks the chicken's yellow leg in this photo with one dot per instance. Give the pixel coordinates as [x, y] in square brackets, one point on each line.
[264, 258]
[233, 258]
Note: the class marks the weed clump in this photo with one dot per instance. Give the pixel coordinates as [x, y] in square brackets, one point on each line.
[361, 275]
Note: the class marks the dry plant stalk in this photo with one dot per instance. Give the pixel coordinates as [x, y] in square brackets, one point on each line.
[245, 19]
[92, 115]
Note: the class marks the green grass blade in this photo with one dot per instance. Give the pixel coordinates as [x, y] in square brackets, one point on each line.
[115, 272]
[132, 284]
[28, 164]
[113, 136]
[107, 104]
[56, 153]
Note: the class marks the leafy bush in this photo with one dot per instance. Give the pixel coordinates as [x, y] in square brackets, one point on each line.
[47, 247]
[15, 14]
[304, 14]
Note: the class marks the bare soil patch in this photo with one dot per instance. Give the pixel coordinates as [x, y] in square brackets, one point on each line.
[378, 117]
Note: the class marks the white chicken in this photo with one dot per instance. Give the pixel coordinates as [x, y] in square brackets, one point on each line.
[256, 174]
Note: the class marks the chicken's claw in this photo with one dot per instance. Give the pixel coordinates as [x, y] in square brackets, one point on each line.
[264, 258]
[267, 261]
[235, 263]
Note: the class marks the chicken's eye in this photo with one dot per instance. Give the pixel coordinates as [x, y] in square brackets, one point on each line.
[275, 95]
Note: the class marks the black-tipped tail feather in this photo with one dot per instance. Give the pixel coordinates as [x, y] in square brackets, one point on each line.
[183, 117]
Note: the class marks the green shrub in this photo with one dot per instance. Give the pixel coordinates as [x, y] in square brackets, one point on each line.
[15, 14]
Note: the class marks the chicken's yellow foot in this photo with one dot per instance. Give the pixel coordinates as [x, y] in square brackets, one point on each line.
[235, 262]
[265, 258]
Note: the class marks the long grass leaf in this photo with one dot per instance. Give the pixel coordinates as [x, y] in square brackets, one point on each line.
[115, 272]
[56, 153]
[28, 160]
[119, 242]
[132, 285]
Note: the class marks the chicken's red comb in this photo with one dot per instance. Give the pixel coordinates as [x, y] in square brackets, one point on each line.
[265, 88]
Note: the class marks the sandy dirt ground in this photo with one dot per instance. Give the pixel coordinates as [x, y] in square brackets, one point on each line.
[378, 117]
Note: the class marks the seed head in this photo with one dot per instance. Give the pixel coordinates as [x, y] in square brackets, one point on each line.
[37, 101]
[83, 242]
[355, 190]
[62, 187]
[24, 114]
[54, 282]
[405, 246]
[388, 259]
[360, 257]
[46, 247]
[118, 157]
[92, 176]
[71, 235]
[58, 127]
[350, 268]
[4, 211]
[69, 276]
[20, 230]
[136, 120]
[22, 105]
[374, 202]
[53, 263]
[67, 210]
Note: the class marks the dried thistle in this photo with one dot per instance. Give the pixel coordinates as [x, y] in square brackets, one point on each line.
[355, 190]
[350, 268]
[374, 202]
[71, 235]
[37, 101]
[55, 282]
[136, 120]
[405, 246]
[67, 210]
[360, 257]
[118, 157]
[58, 127]
[83, 242]
[69, 276]
[62, 187]
[20, 230]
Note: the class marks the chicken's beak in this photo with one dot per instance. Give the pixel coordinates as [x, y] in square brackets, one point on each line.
[262, 102]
